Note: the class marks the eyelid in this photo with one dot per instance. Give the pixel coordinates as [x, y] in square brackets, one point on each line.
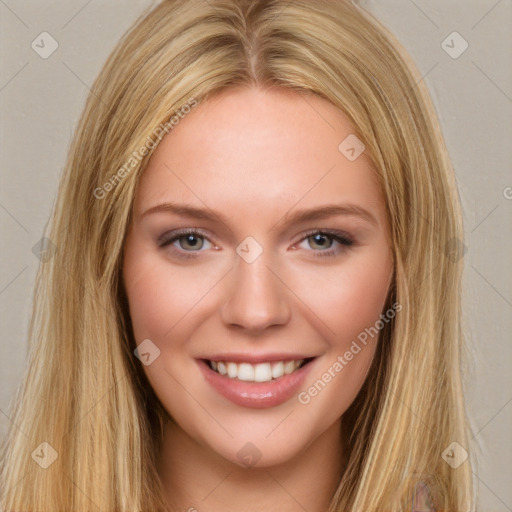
[343, 239]
[333, 233]
[170, 236]
[185, 231]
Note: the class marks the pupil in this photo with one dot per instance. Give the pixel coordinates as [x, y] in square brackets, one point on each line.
[318, 238]
[192, 240]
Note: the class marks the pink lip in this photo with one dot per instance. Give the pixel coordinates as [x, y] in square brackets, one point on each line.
[257, 395]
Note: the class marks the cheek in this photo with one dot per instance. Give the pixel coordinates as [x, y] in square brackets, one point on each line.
[153, 308]
[160, 296]
[350, 302]
[349, 297]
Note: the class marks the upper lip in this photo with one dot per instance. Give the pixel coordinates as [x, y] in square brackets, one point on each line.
[257, 358]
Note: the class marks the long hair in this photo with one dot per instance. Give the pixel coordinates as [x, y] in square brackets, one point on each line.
[85, 409]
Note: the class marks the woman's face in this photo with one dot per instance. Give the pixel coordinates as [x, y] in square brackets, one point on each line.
[283, 268]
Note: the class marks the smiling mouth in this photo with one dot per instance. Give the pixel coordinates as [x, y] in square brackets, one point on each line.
[261, 372]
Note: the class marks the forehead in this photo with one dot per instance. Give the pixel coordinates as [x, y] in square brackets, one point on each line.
[248, 149]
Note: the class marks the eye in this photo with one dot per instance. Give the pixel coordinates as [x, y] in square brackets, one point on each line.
[184, 241]
[322, 242]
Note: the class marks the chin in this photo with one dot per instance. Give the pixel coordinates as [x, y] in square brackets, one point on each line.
[261, 450]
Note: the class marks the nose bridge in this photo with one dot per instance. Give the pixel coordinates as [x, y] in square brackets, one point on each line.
[256, 298]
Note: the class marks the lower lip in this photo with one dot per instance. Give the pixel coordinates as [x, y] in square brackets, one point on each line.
[257, 395]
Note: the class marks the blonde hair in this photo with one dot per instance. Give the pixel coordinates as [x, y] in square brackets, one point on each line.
[84, 392]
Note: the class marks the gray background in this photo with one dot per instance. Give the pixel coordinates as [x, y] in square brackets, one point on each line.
[41, 100]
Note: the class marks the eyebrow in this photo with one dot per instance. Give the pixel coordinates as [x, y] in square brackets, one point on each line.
[291, 217]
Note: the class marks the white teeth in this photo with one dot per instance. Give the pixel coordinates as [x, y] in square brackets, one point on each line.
[232, 370]
[289, 366]
[261, 372]
[221, 368]
[246, 372]
[278, 370]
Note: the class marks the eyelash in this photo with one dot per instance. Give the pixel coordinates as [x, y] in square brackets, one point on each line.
[342, 238]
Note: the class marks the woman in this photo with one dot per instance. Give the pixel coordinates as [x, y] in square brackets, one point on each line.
[254, 297]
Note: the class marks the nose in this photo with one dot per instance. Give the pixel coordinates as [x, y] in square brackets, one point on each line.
[256, 297]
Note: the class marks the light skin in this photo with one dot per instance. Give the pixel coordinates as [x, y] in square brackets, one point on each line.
[256, 157]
